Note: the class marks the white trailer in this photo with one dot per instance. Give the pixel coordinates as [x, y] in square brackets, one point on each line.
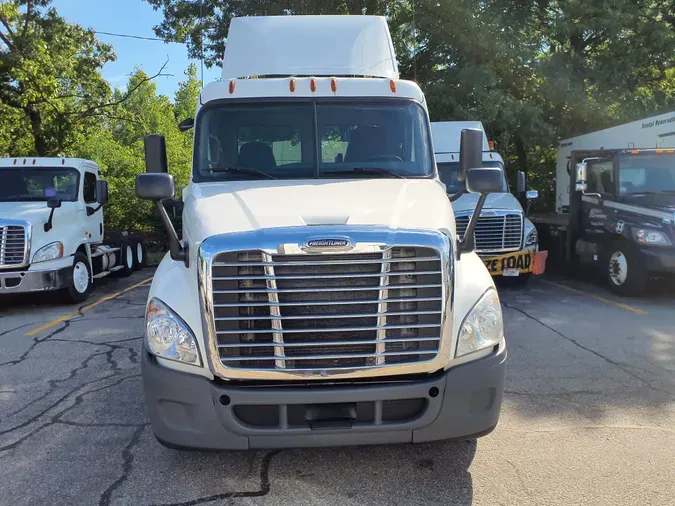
[653, 132]
[51, 228]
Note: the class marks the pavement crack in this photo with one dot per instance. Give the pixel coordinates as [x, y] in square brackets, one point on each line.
[36, 342]
[576, 343]
[57, 417]
[127, 466]
[14, 329]
[264, 486]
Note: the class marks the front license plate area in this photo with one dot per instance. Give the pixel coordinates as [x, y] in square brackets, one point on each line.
[511, 264]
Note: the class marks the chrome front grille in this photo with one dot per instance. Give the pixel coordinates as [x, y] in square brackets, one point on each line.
[495, 233]
[13, 241]
[327, 312]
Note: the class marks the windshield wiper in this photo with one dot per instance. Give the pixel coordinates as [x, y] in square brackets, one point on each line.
[243, 170]
[366, 171]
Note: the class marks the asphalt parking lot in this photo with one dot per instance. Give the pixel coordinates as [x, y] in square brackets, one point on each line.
[589, 415]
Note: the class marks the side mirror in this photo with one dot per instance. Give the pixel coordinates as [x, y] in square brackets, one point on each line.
[520, 183]
[485, 180]
[52, 203]
[581, 177]
[186, 124]
[155, 155]
[470, 152]
[102, 192]
[531, 194]
[155, 187]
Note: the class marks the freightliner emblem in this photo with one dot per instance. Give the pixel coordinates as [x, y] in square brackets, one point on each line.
[329, 244]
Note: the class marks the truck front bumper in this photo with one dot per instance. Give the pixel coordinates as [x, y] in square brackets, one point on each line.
[34, 281]
[659, 260]
[192, 412]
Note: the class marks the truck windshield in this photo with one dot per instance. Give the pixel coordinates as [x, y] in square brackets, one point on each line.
[319, 139]
[649, 173]
[38, 184]
[448, 173]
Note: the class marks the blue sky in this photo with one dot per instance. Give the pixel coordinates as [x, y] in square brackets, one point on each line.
[133, 17]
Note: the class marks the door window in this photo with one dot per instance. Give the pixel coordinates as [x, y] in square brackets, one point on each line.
[89, 188]
[601, 177]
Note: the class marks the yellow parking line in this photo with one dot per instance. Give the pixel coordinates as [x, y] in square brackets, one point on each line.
[85, 308]
[597, 297]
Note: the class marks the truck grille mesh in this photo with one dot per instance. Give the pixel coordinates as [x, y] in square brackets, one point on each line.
[327, 311]
[12, 246]
[495, 233]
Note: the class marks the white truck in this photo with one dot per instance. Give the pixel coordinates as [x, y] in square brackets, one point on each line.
[505, 238]
[51, 228]
[320, 294]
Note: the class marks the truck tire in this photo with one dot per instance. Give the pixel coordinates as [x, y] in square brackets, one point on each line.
[126, 258]
[140, 254]
[80, 283]
[625, 274]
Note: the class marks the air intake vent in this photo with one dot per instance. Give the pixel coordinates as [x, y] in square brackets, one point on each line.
[495, 234]
[12, 246]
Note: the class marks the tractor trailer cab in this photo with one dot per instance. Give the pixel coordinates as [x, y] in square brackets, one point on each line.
[51, 228]
[319, 294]
[505, 238]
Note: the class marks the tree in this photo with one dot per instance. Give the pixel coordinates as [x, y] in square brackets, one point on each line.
[50, 83]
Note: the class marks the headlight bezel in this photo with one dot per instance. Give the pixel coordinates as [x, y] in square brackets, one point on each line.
[641, 236]
[532, 237]
[489, 300]
[55, 248]
[160, 314]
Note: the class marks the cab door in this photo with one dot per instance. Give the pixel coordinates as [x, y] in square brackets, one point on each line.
[93, 215]
[601, 173]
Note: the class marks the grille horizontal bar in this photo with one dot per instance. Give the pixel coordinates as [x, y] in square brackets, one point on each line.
[329, 343]
[327, 302]
[333, 357]
[336, 329]
[327, 311]
[331, 289]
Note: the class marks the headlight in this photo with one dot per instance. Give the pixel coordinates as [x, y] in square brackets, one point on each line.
[168, 336]
[52, 251]
[532, 238]
[650, 237]
[483, 327]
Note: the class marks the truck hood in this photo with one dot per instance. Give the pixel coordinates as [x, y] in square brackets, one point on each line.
[659, 201]
[217, 208]
[467, 202]
[34, 212]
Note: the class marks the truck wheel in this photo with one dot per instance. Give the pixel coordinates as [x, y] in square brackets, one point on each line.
[80, 284]
[625, 275]
[140, 252]
[127, 255]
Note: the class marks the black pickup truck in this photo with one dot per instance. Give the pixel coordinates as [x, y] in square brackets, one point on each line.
[621, 217]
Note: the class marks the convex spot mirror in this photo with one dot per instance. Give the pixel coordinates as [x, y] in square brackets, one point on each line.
[484, 180]
[186, 124]
[54, 203]
[531, 194]
[155, 187]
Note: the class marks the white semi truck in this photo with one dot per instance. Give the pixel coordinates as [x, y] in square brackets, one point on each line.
[505, 238]
[51, 228]
[320, 293]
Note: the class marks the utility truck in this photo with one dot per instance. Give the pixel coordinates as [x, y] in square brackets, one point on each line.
[505, 239]
[619, 217]
[51, 228]
[320, 293]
